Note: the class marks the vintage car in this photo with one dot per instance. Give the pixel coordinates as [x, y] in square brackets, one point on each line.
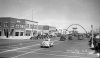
[47, 43]
[80, 37]
[63, 37]
[70, 37]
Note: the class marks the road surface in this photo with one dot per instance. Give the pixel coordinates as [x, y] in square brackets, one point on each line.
[62, 49]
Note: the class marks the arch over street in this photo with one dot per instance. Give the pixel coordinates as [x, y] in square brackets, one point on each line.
[78, 25]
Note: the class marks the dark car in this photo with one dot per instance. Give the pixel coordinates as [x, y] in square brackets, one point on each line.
[34, 37]
[80, 37]
[70, 37]
[62, 38]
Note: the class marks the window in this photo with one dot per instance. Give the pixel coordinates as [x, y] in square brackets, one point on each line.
[6, 24]
[17, 26]
[22, 26]
[27, 25]
[0, 33]
[35, 26]
[31, 26]
[12, 25]
[21, 33]
[16, 33]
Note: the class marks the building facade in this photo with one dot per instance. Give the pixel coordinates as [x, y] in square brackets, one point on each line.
[46, 29]
[30, 28]
[13, 28]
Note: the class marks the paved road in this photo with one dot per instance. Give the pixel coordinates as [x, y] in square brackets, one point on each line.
[67, 49]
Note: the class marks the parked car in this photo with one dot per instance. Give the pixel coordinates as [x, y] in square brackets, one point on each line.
[34, 37]
[47, 43]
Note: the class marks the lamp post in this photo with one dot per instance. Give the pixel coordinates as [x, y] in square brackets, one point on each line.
[92, 46]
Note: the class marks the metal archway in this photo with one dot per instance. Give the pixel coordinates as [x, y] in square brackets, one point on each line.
[78, 25]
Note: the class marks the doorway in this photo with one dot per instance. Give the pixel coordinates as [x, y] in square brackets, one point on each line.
[6, 33]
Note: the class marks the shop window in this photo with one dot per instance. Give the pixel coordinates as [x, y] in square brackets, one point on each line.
[16, 33]
[28, 33]
[21, 33]
[0, 33]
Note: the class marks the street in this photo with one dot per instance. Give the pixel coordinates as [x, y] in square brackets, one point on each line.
[62, 49]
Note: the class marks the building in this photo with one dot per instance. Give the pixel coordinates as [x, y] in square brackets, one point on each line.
[30, 28]
[46, 29]
[14, 28]
[43, 29]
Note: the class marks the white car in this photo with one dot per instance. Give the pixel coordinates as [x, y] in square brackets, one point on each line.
[47, 43]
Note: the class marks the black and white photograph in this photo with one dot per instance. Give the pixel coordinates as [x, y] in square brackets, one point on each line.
[49, 28]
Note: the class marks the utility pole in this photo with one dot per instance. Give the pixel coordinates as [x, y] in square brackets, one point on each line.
[32, 14]
[99, 31]
[32, 24]
[99, 39]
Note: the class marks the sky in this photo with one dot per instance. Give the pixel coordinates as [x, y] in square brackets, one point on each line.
[57, 13]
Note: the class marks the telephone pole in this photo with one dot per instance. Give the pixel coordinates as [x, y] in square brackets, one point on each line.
[99, 30]
[99, 39]
[32, 14]
[33, 24]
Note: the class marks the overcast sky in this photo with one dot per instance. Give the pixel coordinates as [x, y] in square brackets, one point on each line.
[58, 13]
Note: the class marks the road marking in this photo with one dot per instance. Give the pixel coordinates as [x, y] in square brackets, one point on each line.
[19, 48]
[26, 53]
[21, 51]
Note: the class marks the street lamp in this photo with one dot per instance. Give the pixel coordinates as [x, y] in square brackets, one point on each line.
[92, 46]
